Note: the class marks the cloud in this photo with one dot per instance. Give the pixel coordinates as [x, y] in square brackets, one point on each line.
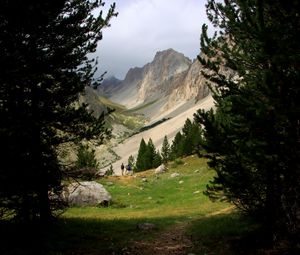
[144, 27]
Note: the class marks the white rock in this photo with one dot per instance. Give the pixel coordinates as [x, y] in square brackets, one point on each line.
[89, 193]
[180, 182]
[173, 175]
[160, 169]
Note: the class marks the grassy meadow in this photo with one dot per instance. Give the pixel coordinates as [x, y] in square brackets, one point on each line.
[188, 220]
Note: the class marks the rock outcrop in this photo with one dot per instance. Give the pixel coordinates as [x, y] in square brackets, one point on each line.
[188, 85]
[87, 194]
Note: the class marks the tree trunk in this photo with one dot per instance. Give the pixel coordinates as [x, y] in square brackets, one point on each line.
[44, 204]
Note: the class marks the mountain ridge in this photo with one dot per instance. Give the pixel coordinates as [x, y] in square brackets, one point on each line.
[170, 79]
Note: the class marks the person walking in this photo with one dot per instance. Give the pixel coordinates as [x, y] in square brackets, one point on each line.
[128, 169]
[122, 168]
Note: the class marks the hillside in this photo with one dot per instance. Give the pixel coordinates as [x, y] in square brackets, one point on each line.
[169, 128]
[184, 220]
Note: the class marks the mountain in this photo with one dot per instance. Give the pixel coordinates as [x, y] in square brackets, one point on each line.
[170, 82]
[152, 101]
[109, 86]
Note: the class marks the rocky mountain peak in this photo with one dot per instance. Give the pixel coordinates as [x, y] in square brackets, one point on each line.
[167, 53]
[165, 64]
[170, 62]
[133, 74]
[170, 75]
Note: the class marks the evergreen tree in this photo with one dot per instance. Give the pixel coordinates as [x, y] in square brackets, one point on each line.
[165, 150]
[157, 160]
[150, 154]
[44, 67]
[109, 171]
[253, 137]
[196, 138]
[147, 156]
[187, 138]
[141, 157]
[86, 157]
[177, 146]
[131, 162]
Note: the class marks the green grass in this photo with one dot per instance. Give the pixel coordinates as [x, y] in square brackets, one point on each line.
[111, 104]
[223, 234]
[141, 107]
[162, 200]
[160, 196]
[132, 122]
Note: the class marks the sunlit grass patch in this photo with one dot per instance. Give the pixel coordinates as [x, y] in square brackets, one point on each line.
[153, 195]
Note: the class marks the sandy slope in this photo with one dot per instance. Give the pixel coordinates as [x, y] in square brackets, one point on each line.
[169, 128]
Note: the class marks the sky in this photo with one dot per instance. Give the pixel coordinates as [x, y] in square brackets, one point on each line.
[144, 27]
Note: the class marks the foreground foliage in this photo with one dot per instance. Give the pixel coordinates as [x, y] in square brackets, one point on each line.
[253, 137]
[44, 67]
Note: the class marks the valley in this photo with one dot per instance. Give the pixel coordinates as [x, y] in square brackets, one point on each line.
[167, 91]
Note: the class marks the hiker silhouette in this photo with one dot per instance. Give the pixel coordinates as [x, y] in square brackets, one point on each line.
[122, 168]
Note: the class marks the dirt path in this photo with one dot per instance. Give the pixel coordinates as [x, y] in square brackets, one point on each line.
[172, 241]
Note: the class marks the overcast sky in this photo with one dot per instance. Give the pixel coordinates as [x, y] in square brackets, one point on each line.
[144, 27]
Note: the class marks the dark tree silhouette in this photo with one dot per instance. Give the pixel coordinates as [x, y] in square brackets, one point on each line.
[44, 67]
[253, 137]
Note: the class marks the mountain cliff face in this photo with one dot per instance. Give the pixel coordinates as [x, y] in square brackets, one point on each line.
[170, 79]
[165, 65]
[189, 85]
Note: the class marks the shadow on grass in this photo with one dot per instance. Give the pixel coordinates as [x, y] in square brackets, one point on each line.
[77, 236]
[233, 234]
[225, 234]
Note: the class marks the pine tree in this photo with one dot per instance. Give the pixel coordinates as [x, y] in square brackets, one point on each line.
[86, 157]
[157, 160]
[187, 138]
[44, 67]
[165, 150]
[196, 139]
[253, 137]
[177, 146]
[141, 161]
[150, 154]
[131, 162]
[147, 157]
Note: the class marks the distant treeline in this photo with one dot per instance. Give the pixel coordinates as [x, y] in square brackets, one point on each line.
[153, 124]
[186, 142]
[150, 126]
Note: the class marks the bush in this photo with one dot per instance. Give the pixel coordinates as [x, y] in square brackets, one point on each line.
[86, 158]
[109, 171]
[177, 162]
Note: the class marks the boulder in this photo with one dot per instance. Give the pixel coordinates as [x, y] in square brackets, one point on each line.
[173, 175]
[160, 169]
[89, 193]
